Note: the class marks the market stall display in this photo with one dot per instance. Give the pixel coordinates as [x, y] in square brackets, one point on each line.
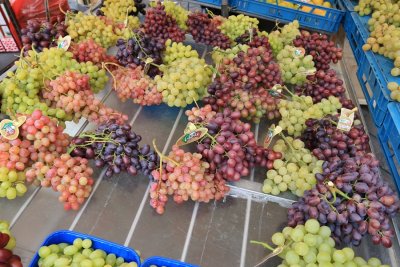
[283, 77]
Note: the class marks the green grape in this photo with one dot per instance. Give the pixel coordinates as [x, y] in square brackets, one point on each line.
[235, 26]
[295, 67]
[278, 239]
[176, 51]
[87, 243]
[177, 12]
[177, 93]
[284, 36]
[83, 26]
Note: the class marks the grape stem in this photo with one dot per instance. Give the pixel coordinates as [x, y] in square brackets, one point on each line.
[334, 190]
[162, 156]
[265, 245]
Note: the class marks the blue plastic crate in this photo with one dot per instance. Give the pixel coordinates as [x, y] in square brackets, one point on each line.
[211, 2]
[65, 236]
[373, 88]
[347, 5]
[389, 137]
[328, 23]
[160, 262]
[354, 36]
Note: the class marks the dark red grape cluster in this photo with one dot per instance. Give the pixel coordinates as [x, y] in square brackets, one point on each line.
[231, 149]
[205, 30]
[140, 8]
[7, 257]
[135, 51]
[158, 24]
[244, 85]
[351, 199]
[322, 85]
[326, 141]
[116, 147]
[39, 35]
[320, 48]
[253, 39]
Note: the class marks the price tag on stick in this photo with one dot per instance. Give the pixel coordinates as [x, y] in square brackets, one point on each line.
[64, 42]
[346, 119]
[270, 134]
[9, 129]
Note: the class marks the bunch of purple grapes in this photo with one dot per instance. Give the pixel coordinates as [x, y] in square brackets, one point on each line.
[351, 199]
[205, 30]
[39, 35]
[326, 141]
[135, 51]
[116, 147]
[322, 85]
[253, 39]
[158, 24]
[231, 148]
[320, 48]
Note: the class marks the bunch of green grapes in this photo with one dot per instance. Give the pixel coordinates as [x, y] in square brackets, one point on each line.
[79, 253]
[394, 91]
[295, 67]
[283, 36]
[296, 111]
[390, 16]
[177, 12]
[12, 183]
[21, 91]
[235, 26]
[120, 10]
[310, 245]
[295, 171]
[184, 80]
[176, 51]
[366, 7]
[218, 54]
[385, 40]
[84, 26]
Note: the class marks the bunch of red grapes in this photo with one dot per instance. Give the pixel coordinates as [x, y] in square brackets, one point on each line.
[351, 199]
[231, 148]
[70, 176]
[133, 83]
[322, 85]
[7, 257]
[200, 115]
[253, 39]
[320, 48]
[71, 91]
[40, 139]
[326, 141]
[39, 35]
[185, 176]
[244, 85]
[205, 30]
[159, 25]
[89, 50]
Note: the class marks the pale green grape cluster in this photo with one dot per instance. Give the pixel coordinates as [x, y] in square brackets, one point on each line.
[176, 51]
[235, 26]
[79, 254]
[218, 54]
[5, 229]
[295, 66]
[177, 12]
[365, 7]
[284, 36]
[21, 91]
[310, 245]
[183, 81]
[295, 171]
[296, 111]
[83, 26]
[118, 10]
[12, 183]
